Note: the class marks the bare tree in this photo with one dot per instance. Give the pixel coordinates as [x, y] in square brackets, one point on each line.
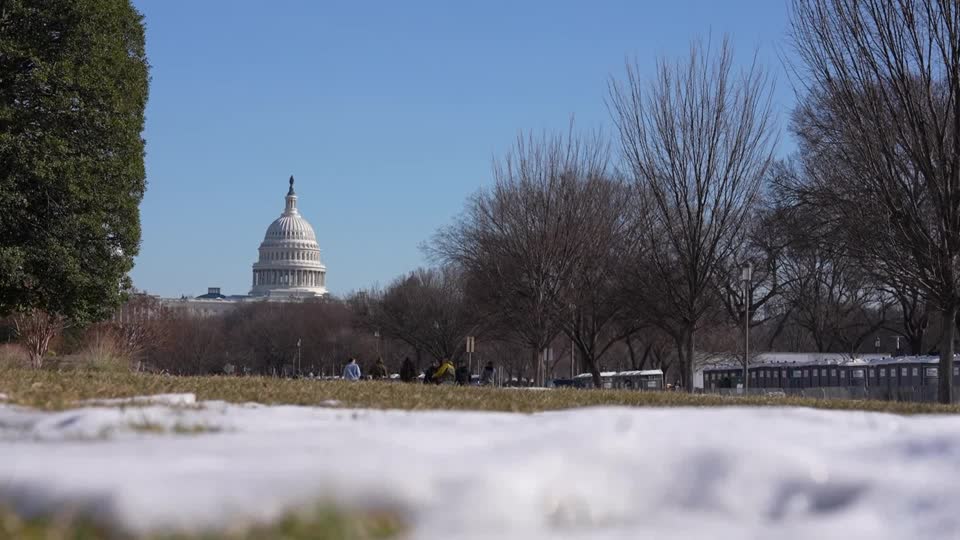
[521, 242]
[882, 107]
[598, 310]
[697, 141]
[426, 309]
[36, 329]
[759, 302]
[139, 324]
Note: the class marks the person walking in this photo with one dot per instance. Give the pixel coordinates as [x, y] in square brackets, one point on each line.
[487, 377]
[351, 372]
[379, 370]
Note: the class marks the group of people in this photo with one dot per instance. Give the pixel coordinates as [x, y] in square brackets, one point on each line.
[441, 372]
[351, 371]
[445, 373]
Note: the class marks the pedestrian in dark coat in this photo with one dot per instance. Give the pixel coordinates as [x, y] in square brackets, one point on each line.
[407, 372]
[379, 370]
[463, 375]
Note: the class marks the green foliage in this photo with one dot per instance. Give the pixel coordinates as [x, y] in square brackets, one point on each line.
[73, 88]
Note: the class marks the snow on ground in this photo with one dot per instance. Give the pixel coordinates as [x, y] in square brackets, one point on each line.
[743, 473]
[156, 399]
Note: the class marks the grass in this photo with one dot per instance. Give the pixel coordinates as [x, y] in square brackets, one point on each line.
[324, 523]
[52, 390]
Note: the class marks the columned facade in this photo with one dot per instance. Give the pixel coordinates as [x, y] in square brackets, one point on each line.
[289, 262]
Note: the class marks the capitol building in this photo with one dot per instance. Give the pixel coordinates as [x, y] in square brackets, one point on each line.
[289, 263]
[288, 268]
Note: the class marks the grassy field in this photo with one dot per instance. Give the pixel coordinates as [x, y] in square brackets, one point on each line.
[321, 524]
[51, 390]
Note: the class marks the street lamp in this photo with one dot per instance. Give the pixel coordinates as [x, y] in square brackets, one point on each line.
[746, 276]
[876, 344]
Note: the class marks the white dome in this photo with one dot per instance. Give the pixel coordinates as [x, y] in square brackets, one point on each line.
[289, 262]
[292, 227]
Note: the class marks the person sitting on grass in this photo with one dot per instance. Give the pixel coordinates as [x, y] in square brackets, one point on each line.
[445, 374]
[351, 372]
[428, 373]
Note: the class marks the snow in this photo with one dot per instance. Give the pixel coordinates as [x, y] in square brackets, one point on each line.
[611, 473]
[158, 399]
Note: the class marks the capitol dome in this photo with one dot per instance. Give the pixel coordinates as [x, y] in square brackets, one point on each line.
[289, 263]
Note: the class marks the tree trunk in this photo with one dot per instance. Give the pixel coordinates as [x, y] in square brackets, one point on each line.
[592, 364]
[36, 329]
[688, 361]
[945, 393]
[536, 366]
[916, 344]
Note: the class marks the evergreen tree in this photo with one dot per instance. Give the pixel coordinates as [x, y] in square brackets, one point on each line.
[73, 87]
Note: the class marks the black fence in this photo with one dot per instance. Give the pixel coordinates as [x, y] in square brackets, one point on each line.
[922, 394]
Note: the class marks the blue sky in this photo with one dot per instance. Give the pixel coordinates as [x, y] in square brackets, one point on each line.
[389, 115]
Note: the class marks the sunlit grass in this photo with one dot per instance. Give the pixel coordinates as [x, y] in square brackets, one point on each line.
[325, 523]
[53, 390]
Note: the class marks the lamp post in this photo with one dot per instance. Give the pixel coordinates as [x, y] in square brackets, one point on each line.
[876, 344]
[298, 357]
[746, 276]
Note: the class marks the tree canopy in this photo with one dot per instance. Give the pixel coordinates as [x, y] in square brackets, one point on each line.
[73, 88]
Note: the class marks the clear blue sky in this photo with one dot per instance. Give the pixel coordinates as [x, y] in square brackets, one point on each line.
[388, 113]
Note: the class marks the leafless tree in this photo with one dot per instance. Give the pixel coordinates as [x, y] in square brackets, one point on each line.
[883, 92]
[768, 240]
[522, 242]
[697, 141]
[140, 324]
[598, 317]
[835, 301]
[426, 309]
[195, 346]
[36, 328]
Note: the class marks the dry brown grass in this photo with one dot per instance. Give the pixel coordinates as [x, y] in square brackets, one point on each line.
[324, 523]
[13, 355]
[46, 389]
